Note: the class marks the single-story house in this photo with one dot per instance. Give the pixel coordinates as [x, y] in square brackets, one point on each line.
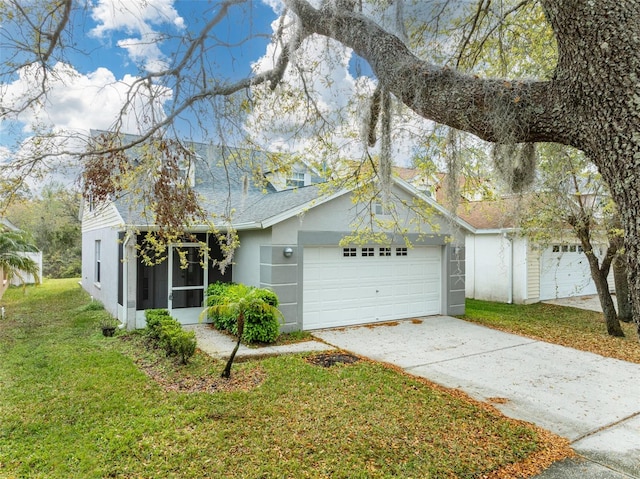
[292, 235]
[505, 266]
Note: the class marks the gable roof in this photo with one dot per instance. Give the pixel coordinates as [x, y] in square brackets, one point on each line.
[231, 183]
[501, 213]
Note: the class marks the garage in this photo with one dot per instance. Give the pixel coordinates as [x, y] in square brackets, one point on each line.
[356, 285]
[564, 272]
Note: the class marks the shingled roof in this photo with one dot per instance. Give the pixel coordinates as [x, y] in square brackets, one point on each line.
[230, 183]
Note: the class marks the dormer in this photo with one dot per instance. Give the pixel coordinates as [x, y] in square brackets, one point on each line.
[297, 176]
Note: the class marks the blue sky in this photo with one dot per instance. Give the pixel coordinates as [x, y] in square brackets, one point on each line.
[117, 41]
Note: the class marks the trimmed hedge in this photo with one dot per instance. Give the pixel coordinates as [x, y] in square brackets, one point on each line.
[167, 332]
[260, 325]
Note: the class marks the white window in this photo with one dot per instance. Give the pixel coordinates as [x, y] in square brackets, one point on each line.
[384, 251]
[296, 180]
[368, 252]
[98, 261]
[378, 209]
[348, 252]
[401, 251]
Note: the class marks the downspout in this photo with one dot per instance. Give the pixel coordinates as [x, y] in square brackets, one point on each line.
[509, 268]
[125, 284]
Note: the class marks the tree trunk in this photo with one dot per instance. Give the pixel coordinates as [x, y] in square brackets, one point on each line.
[227, 369]
[622, 289]
[608, 308]
[592, 101]
[620, 172]
[599, 273]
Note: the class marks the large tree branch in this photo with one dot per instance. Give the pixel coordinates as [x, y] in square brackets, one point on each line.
[494, 110]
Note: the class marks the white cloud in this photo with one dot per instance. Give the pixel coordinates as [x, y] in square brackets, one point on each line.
[79, 102]
[134, 16]
[332, 125]
[145, 52]
[139, 19]
[59, 125]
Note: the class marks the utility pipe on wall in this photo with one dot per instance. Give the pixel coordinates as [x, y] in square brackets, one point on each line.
[509, 238]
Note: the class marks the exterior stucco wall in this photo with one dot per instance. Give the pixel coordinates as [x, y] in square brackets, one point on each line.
[106, 291]
[279, 273]
[326, 225]
[340, 213]
[246, 264]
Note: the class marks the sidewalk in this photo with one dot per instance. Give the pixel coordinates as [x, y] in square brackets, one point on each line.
[221, 345]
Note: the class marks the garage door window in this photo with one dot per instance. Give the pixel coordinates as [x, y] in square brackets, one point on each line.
[385, 251]
[368, 252]
[349, 252]
[401, 251]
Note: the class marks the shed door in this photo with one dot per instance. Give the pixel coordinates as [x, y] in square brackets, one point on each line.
[564, 272]
[346, 286]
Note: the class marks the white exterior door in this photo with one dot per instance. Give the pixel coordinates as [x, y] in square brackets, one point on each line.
[347, 286]
[187, 280]
[564, 272]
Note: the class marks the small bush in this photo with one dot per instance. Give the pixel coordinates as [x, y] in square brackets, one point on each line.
[154, 318]
[168, 333]
[184, 345]
[261, 325]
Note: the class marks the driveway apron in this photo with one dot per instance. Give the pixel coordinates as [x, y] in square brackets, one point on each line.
[591, 400]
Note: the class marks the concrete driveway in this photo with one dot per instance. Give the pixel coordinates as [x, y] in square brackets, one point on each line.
[591, 400]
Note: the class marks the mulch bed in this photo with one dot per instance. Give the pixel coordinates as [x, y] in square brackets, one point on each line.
[330, 359]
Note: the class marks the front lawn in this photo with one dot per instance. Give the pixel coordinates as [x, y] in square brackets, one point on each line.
[76, 404]
[573, 327]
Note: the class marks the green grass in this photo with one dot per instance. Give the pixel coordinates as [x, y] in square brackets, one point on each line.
[573, 327]
[76, 404]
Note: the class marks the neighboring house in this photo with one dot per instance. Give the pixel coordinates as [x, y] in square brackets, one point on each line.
[502, 265]
[26, 278]
[290, 242]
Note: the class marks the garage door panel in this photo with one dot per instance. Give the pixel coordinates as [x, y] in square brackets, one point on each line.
[564, 274]
[341, 290]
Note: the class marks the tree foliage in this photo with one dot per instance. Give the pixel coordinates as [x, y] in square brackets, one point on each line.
[52, 220]
[14, 263]
[431, 57]
[572, 201]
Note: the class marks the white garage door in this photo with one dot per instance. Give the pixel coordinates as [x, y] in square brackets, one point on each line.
[564, 272]
[345, 286]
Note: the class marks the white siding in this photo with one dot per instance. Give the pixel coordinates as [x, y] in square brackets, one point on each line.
[105, 215]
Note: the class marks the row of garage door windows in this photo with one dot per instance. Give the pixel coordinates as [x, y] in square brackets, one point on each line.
[567, 248]
[369, 251]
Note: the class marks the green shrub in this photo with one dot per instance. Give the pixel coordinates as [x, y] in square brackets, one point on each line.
[169, 328]
[168, 333]
[154, 318]
[184, 345]
[217, 293]
[261, 324]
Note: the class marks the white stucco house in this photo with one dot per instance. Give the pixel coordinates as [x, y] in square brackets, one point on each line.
[291, 241]
[505, 266]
